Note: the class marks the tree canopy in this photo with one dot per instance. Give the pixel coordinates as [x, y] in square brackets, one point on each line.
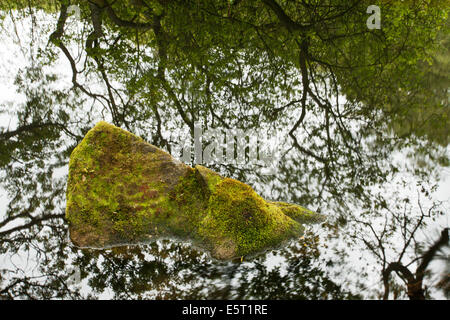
[346, 99]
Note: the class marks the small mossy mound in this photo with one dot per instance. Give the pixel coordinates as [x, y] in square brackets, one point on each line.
[118, 187]
[124, 190]
[244, 221]
[298, 213]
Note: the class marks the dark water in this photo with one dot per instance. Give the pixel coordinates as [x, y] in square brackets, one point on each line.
[360, 120]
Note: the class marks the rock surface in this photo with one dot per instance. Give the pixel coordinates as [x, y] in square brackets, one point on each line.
[123, 190]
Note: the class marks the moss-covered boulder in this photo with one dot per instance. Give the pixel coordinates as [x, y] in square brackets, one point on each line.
[123, 190]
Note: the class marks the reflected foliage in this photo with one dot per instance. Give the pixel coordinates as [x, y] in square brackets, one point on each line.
[345, 100]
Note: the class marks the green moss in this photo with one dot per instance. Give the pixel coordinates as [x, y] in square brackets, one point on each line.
[189, 198]
[122, 189]
[210, 177]
[117, 185]
[245, 221]
[299, 213]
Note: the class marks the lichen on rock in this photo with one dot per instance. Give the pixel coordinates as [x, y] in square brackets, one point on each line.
[123, 190]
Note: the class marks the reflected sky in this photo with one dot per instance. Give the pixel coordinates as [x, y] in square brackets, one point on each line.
[372, 192]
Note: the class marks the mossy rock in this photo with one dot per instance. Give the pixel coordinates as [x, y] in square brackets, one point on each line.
[123, 190]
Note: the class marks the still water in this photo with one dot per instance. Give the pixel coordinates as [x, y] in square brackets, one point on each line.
[365, 149]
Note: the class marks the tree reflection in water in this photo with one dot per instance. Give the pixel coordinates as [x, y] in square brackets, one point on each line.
[364, 117]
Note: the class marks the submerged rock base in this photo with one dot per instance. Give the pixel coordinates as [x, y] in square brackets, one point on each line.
[124, 190]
